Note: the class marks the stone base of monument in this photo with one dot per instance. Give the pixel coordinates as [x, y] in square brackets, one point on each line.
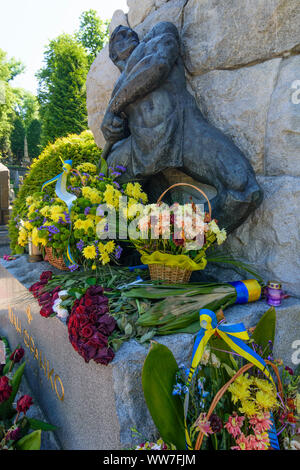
[93, 406]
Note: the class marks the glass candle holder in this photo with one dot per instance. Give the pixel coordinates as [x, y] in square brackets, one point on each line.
[274, 293]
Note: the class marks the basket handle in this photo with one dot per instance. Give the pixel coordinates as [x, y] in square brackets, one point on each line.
[191, 186]
[225, 388]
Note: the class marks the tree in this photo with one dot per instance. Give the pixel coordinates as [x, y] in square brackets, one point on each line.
[62, 89]
[34, 138]
[8, 98]
[17, 139]
[93, 33]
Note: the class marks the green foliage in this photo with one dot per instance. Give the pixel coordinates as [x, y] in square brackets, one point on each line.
[6, 408]
[17, 139]
[158, 380]
[37, 424]
[79, 148]
[34, 138]
[62, 90]
[8, 98]
[31, 441]
[265, 329]
[93, 33]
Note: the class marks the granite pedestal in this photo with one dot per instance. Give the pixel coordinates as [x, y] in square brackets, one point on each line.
[95, 406]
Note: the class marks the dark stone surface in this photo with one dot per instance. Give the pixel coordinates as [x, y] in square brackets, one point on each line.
[153, 123]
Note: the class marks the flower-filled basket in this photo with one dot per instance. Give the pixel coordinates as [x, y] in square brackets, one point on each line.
[172, 251]
[224, 389]
[56, 261]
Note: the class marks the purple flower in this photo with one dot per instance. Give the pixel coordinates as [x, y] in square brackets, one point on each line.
[87, 210]
[80, 245]
[116, 184]
[73, 267]
[121, 168]
[289, 370]
[118, 252]
[67, 216]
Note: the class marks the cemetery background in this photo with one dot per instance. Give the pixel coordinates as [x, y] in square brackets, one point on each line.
[250, 93]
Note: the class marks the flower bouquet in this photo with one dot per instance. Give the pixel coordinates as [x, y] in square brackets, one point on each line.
[235, 395]
[79, 236]
[17, 430]
[173, 241]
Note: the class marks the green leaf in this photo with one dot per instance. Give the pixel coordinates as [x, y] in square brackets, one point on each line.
[103, 167]
[31, 441]
[6, 409]
[37, 424]
[91, 281]
[265, 329]
[158, 378]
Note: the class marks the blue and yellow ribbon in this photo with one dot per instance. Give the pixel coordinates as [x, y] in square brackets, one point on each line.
[62, 193]
[234, 335]
[247, 291]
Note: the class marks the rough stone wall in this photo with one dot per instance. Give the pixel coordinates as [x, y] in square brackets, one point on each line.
[242, 60]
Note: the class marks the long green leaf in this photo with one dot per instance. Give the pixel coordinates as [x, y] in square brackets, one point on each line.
[37, 424]
[31, 441]
[158, 380]
[265, 329]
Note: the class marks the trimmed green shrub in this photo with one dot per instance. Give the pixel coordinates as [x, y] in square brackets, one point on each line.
[79, 148]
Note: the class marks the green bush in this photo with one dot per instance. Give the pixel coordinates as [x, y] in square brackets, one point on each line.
[79, 148]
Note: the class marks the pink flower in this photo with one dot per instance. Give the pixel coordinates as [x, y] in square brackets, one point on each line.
[202, 424]
[242, 443]
[234, 424]
[251, 442]
[261, 423]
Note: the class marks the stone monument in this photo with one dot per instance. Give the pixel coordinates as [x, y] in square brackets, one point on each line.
[152, 123]
[242, 65]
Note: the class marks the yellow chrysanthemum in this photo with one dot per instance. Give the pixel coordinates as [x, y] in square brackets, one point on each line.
[110, 246]
[36, 239]
[111, 196]
[239, 393]
[23, 237]
[56, 213]
[89, 252]
[84, 224]
[29, 200]
[28, 225]
[264, 385]
[92, 194]
[104, 258]
[45, 211]
[265, 400]
[248, 408]
[87, 168]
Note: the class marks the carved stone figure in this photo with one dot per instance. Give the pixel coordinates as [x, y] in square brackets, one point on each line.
[152, 123]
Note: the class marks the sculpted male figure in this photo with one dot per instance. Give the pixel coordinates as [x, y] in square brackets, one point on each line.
[153, 123]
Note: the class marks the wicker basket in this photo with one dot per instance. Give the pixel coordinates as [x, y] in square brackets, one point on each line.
[225, 388]
[173, 274]
[56, 262]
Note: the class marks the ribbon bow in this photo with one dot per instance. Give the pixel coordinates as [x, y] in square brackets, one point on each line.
[232, 334]
[62, 193]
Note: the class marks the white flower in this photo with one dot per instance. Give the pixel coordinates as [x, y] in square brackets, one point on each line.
[215, 361]
[205, 357]
[62, 294]
[62, 313]
[214, 227]
[56, 305]
[221, 236]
